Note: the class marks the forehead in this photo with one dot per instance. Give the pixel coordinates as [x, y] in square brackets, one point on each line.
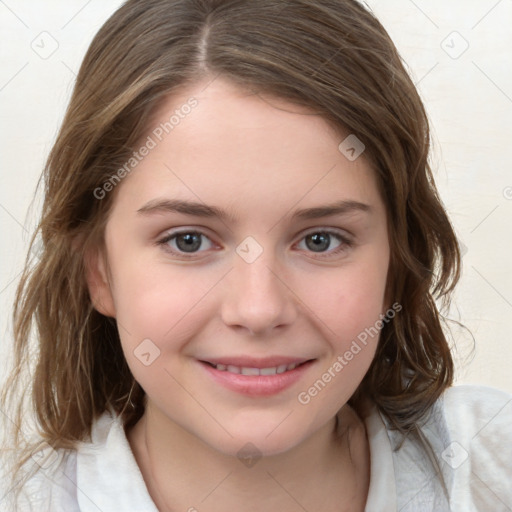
[217, 143]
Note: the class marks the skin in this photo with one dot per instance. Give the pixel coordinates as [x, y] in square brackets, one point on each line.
[260, 159]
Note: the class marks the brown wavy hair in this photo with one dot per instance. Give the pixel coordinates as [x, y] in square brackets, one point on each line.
[332, 56]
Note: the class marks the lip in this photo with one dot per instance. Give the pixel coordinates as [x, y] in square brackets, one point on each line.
[256, 385]
[254, 362]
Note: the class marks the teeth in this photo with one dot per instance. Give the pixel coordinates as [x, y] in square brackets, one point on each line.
[256, 371]
[250, 371]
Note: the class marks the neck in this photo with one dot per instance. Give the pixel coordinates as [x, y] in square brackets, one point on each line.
[329, 471]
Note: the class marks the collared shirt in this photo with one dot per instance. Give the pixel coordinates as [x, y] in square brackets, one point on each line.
[469, 430]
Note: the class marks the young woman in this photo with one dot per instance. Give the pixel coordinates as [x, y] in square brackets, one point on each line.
[236, 303]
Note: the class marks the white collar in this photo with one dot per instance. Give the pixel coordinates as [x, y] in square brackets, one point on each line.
[110, 454]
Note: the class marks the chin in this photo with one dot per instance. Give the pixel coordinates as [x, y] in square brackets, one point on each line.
[253, 446]
[264, 436]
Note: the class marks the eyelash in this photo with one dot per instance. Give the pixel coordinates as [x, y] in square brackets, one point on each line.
[346, 243]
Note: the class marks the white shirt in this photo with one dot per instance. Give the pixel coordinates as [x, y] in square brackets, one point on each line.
[469, 428]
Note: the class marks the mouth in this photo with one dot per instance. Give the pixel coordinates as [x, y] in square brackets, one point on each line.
[255, 371]
[256, 378]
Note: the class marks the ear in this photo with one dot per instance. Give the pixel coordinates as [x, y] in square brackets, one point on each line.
[98, 283]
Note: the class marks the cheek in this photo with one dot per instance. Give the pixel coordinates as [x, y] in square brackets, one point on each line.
[157, 312]
[153, 300]
[352, 300]
[350, 310]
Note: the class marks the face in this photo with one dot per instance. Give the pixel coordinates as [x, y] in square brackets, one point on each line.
[247, 256]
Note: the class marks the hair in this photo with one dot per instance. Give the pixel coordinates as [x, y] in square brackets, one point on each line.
[332, 56]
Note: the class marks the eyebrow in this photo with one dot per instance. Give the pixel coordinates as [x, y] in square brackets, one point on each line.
[155, 206]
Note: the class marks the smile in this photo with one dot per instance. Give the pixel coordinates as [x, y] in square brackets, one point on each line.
[244, 370]
[257, 378]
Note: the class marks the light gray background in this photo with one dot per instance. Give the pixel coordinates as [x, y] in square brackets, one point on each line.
[459, 55]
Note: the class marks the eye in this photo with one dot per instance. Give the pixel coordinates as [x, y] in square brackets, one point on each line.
[185, 242]
[320, 241]
[192, 242]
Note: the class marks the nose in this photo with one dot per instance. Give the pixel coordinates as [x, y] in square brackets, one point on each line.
[257, 297]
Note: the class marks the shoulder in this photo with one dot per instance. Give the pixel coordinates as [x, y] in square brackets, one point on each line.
[48, 483]
[51, 476]
[101, 474]
[475, 415]
[475, 397]
[479, 455]
[469, 442]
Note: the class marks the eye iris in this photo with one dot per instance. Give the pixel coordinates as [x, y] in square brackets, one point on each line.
[319, 241]
[192, 242]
